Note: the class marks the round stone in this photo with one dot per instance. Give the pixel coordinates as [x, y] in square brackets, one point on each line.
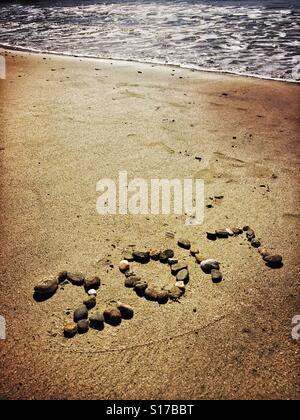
[184, 243]
[212, 236]
[80, 313]
[165, 255]
[90, 302]
[124, 266]
[76, 278]
[92, 292]
[250, 234]
[172, 261]
[127, 311]
[246, 228]
[255, 243]
[183, 275]
[236, 230]
[47, 286]
[131, 281]
[216, 276]
[141, 257]
[97, 321]
[70, 329]
[194, 251]
[151, 293]
[274, 261]
[92, 283]
[155, 254]
[208, 265]
[112, 316]
[162, 297]
[178, 267]
[140, 287]
[83, 326]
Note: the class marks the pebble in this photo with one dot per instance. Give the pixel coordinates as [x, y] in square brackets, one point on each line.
[245, 228]
[127, 311]
[210, 264]
[216, 276]
[165, 255]
[90, 302]
[273, 261]
[129, 273]
[194, 250]
[212, 236]
[255, 243]
[162, 297]
[222, 233]
[151, 293]
[175, 293]
[124, 266]
[155, 254]
[141, 257]
[236, 231]
[92, 283]
[76, 278]
[230, 232]
[140, 287]
[47, 286]
[183, 275]
[92, 292]
[112, 316]
[199, 258]
[180, 285]
[80, 313]
[184, 243]
[83, 326]
[62, 276]
[250, 234]
[131, 281]
[177, 267]
[172, 261]
[70, 329]
[97, 321]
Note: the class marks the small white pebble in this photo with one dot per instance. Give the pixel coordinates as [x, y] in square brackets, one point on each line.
[124, 265]
[92, 292]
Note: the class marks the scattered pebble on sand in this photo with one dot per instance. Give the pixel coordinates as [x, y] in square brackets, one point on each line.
[70, 329]
[92, 283]
[112, 316]
[47, 286]
[76, 278]
[90, 302]
[210, 264]
[127, 311]
[124, 266]
[184, 243]
[183, 275]
[97, 321]
[216, 276]
[80, 313]
[83, 326]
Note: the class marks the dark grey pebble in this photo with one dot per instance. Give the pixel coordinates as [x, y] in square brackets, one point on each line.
[151, 294]
[80, 313]
[172, 261]
[165, 255]
[222, 233]
[93, 283]
[250, 234]
[255, 243]
[209, 265]
[274, 261]
[76, 278]
[47, 286]
[216, 276]
[112, 316]
[131, 281]
[183, 275]
[141, 257]
[175, 293]
[162, 297]
[90, 302]
[97, 321]
[83, 326]
[177, 267]
[212, 236]
[184, 243]
[62, 276]
[127, 311]
[237, 231]
[245, 228]
[140, 287]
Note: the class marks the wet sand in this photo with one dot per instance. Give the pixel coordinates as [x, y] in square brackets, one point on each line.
[67, 123]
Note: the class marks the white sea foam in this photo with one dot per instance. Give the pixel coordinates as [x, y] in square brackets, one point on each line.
[237, 37]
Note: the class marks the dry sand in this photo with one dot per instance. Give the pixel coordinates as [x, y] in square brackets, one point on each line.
[64, 126]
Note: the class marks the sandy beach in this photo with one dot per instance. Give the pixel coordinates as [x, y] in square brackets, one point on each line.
[68, 122]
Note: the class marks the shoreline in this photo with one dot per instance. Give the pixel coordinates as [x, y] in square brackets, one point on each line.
[148, 63]
[65, 124]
